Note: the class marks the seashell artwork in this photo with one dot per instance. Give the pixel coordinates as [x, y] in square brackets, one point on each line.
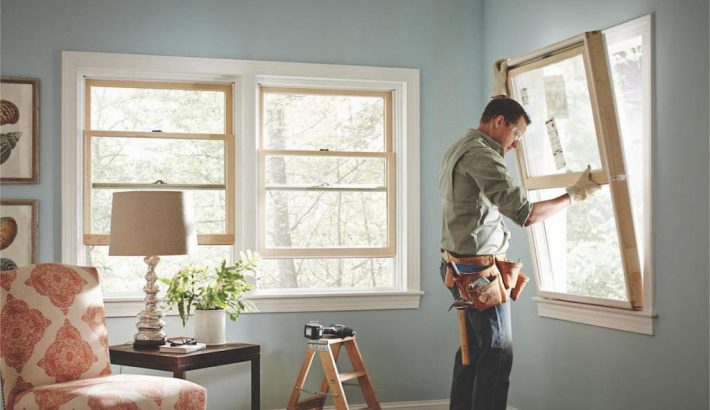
[7, 264]
[9, 113]
[8, 231]
[8, 141]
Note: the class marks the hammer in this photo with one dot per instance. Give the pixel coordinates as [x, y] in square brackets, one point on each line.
[461, 312]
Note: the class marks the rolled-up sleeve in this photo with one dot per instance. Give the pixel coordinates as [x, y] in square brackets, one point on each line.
[490, 173]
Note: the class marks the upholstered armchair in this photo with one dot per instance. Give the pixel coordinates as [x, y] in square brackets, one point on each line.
[54, 347]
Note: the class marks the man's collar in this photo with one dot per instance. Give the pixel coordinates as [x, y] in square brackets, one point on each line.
[472, 132]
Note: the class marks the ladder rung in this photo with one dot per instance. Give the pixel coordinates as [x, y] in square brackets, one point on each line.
[310, 403]
[351, 375]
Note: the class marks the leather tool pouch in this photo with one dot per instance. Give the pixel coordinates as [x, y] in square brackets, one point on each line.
[509, 270]
[484, 289]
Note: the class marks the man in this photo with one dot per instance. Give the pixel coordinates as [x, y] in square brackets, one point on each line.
[476, 191]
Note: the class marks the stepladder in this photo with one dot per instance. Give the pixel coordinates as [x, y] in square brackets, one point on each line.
[332, 385]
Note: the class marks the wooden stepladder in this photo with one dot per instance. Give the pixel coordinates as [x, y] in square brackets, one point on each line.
[332, 385]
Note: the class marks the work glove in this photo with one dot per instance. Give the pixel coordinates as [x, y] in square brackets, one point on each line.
[584, 187]
[500, 78]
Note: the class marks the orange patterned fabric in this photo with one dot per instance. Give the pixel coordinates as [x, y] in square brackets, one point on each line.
[116, 392]
[54, 347]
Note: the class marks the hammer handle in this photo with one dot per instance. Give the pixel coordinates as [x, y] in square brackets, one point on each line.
[463, 336]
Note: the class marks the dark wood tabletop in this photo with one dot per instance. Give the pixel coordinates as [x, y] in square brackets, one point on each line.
[179, 363]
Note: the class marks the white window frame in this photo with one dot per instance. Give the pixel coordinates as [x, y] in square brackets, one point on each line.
[247, 75]
[581, 310]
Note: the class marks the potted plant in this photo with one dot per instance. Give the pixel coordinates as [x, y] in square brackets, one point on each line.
[212, 295]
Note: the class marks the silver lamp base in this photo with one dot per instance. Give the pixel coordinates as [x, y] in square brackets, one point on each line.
[150, 320]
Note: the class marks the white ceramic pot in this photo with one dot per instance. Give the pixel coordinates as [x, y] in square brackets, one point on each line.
[210, 326]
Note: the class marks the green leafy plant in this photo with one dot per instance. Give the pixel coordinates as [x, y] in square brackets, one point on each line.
[224, 288]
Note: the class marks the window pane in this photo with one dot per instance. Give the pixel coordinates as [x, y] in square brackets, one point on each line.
[578, 248]
[332, 273]
[326, 219]
[210, 210]
[146, 160]
[320, 171]
[146, 109]
[557, 96]
[313, 122]
[125, 275]
[625, 63]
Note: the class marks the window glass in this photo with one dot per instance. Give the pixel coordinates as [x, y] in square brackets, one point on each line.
[323, 122]
[317, 219]
[146, 110]
[578, 248]
[325, 171]
[125, 275]
[330, 273]
[562, 136]
[146, 160]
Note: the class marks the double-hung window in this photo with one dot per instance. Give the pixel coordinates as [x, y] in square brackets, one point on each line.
[589, 98]
[314, 166]
[326, 190]
[150, 135]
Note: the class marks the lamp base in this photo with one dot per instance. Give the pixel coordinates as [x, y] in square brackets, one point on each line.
[148, 344]
[150, 321]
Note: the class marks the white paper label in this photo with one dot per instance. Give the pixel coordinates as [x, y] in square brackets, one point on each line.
[555, 144]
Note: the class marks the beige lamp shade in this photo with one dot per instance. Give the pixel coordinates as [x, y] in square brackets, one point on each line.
[147, 223]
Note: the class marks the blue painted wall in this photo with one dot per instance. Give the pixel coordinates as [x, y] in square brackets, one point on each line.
[562, 365]
[407, 351]
[559, 365]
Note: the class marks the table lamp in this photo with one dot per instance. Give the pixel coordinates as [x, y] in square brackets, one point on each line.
[151, 223]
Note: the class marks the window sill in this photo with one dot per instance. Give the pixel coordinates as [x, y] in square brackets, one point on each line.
[129, 307]
[612, 318]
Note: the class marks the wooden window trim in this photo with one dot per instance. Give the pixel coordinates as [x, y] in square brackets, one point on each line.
[226, 238]
[388, 154]
[611, 155]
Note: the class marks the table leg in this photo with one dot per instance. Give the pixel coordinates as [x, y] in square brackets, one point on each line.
[255, 383]
[179, 374]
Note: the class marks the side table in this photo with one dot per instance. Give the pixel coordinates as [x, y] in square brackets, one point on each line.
[179, 363]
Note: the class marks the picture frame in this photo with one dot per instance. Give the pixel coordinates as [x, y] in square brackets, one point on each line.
[19, 224]
[19, 130]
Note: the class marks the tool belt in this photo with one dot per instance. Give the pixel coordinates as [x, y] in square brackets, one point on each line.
[485, 285]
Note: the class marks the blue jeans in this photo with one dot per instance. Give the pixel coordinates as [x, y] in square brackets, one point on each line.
[483, 384]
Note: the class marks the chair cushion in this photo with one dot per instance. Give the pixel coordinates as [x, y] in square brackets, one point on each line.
[52, 326]
[123, 392]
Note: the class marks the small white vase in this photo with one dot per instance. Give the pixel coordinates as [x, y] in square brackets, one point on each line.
[210, 326]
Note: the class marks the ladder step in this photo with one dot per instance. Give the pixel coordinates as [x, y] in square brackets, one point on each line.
[316, 402]
[351, 375]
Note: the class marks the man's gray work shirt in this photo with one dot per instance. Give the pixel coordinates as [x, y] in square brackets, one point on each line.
[476, 188]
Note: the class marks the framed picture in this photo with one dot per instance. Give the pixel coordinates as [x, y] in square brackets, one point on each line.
[18, 233]
[19, 130]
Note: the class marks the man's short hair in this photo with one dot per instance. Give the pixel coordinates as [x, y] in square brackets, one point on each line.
[508, 108]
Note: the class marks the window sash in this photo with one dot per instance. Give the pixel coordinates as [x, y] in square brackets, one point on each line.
[591, 44]
[390, 187]
[226, 238]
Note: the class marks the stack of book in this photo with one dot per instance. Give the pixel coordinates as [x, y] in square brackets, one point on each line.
[182, 348]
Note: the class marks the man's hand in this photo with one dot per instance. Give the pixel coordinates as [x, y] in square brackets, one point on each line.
[500, 78]
[584, 187]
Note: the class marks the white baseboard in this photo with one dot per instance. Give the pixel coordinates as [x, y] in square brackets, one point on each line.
[418, 405]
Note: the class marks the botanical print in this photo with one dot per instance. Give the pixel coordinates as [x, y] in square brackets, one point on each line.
[18, 230]
[18, 129]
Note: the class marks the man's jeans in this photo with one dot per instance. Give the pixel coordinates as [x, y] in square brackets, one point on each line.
[483, 384]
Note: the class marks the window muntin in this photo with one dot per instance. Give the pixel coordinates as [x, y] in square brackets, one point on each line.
[559, 245]
[326, 189]
[142, 132]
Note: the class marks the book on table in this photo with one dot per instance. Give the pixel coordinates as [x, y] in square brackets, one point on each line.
[182, 348]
